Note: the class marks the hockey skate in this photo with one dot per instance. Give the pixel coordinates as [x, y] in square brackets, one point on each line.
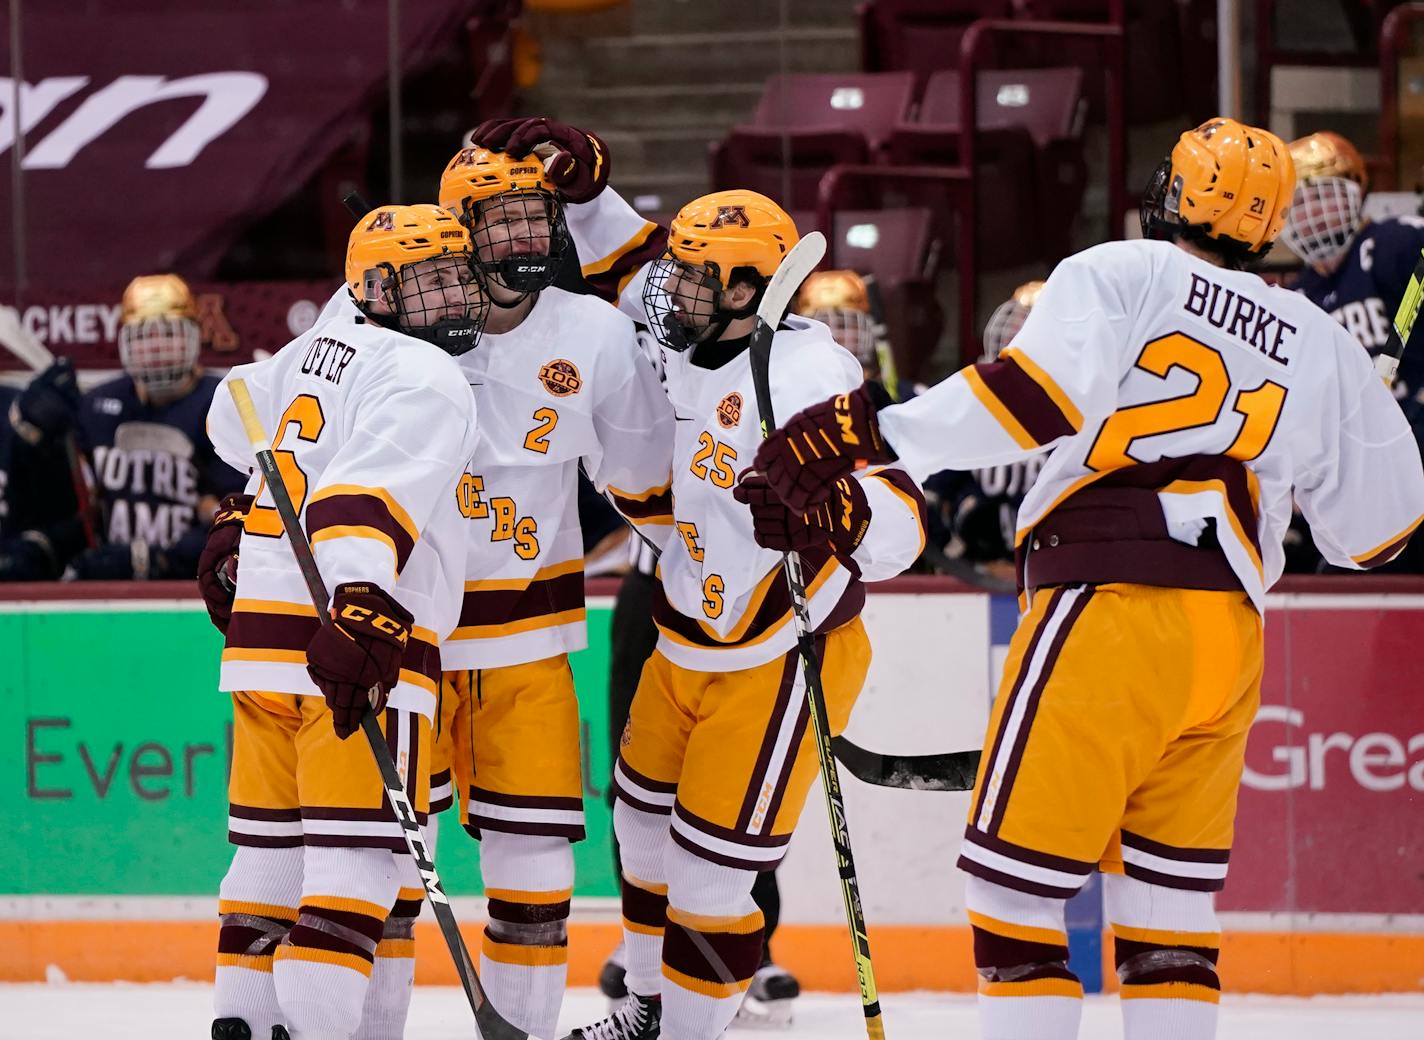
[768, 1003]
[611, 977]
[636, 1018]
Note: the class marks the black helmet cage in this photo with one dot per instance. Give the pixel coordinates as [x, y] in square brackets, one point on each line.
[706, 318]
[528, 269]
[422, 310]
[1159, 215]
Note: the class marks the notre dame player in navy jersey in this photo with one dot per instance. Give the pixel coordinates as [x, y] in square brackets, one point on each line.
[39, 523]
[1356, 270]
[156, 475]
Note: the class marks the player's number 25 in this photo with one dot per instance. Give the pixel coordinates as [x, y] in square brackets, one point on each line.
[1260, 408]
[305, 413]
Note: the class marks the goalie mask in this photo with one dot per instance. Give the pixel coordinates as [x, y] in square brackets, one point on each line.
[516, 221]
[714, 242]
[1008, 318]
[839, 299]
[409, 267]
[1329, 197]
[159, 339]
[1226, 186]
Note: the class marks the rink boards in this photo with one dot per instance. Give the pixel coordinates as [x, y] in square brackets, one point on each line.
[113, 794]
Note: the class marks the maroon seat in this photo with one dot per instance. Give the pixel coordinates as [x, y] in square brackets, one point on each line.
[805, 124]
[1029, 148]
[899, 246]
[919, 35]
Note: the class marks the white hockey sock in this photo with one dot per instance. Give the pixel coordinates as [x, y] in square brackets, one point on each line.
[713, 945]
[642, 844]
[1152, 1018]
[257, 903]
[393, 975]
[524, 956]
[322, 968]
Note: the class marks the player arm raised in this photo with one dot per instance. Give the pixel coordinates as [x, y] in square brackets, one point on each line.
[1062, 371]
[1363, 492]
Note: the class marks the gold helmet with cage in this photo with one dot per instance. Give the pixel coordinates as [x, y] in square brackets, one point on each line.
[159, 335]
[1009, 317]
[410, 266]
[1326, 213]
[1226, 186]
[714, 243]
[519, 236]
[841, 300]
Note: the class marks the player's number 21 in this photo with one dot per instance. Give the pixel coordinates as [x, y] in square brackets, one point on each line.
[1260, 407]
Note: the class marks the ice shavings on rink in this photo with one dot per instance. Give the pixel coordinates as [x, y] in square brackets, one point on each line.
[177, 1010]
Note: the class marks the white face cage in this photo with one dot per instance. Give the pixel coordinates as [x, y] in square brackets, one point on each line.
[1323, 219]
[161, 353]
[1003, 326]
[851, 329]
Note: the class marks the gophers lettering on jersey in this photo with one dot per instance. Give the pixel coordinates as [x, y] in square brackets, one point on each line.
[1238, 316]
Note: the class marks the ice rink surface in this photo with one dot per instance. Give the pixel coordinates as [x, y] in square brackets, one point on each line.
[180, 1011]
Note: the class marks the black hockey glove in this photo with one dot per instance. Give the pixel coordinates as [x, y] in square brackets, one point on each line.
[119, 561]
[27, 557]
[49, 406]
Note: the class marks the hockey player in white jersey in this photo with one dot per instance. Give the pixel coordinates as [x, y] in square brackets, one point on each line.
[716, 761]
[373, 428]
[560, 381]
[1181, 403]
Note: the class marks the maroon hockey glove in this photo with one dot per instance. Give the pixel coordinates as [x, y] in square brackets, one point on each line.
[361, 651]
[839, 523]
[580, 160]
[217, 564]
[820, 445]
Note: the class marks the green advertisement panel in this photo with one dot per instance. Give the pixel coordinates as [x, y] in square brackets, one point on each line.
[114, 780]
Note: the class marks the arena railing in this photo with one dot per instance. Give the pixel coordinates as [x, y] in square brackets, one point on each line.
[1112, 37]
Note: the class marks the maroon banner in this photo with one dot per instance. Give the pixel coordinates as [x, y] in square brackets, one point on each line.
[154, 132]
[237, 319]
[1331, 817]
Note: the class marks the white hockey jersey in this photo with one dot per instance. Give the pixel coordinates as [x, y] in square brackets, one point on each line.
[373, 431]
[1146, 371]
[569, 384]
[723, 604]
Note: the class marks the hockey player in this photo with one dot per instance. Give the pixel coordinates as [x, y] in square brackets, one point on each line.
[1355, 269]
[716, 761]
[1179, 399]
[158, 480]
[373, 426]
[560, 382]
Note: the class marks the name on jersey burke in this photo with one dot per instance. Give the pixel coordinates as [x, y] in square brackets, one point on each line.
[1238, 316]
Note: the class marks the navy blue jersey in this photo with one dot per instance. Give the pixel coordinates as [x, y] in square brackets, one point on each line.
[978, 509]
[1366, 288]
[152, 463]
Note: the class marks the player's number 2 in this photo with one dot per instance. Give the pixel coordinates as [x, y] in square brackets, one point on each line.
[1259, 407]
[305, 413]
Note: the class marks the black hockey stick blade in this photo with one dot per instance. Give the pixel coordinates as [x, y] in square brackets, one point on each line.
[1400, 335]
[356, 203]
[953, 771]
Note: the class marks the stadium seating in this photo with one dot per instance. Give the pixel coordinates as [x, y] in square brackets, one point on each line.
[919, 35]
[805, 124]
[1029, 146]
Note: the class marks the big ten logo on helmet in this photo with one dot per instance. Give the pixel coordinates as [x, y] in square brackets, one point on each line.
[382, 221]
[561, 378]
[1373, 761]
[729, 410]
[731, 216]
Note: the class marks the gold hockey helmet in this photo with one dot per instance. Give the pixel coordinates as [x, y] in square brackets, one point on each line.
[159, 338]
[1329, 200]
[1009, 317]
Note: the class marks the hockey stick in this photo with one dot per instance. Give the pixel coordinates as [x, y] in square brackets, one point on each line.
[952, 771]
[491, 1024]
[1387, 361]
[356, 204]
[19, 341]
[795, 266]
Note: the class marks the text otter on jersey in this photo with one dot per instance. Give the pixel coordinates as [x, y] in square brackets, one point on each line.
[1239, 317]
